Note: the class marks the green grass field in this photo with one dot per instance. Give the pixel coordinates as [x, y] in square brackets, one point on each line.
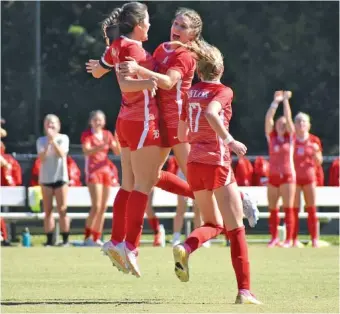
[81, 280]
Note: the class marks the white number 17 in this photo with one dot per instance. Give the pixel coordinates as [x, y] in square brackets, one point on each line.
[194, 109]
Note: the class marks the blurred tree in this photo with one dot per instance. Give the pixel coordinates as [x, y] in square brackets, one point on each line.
[267, 46]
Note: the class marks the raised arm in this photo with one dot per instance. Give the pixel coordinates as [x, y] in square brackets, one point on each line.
[287, 112]
[269, 120]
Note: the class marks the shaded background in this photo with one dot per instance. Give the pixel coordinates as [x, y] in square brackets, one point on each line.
[267, 46]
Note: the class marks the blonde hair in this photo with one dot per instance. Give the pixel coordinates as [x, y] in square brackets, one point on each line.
[95, 113]
[51, 117]
[196, 22]
[302, 115]
[209, 59]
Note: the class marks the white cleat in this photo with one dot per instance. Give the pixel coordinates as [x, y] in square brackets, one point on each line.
[207, 244]
[131, 260]
[250, 210]
[116, 253]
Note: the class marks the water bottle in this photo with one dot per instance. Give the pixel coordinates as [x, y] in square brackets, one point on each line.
[162, 232]
[26, 238]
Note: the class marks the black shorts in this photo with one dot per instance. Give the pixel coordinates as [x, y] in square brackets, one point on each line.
[55, 185]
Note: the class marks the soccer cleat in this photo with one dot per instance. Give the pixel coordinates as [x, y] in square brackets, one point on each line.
[287, 244]
[181, 257]
[246, 297]
[131, 260]
[250, 210]
[274, 243]
[298, 244]
[116, 253]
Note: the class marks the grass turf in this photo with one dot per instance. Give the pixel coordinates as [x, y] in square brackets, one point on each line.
[80, 280]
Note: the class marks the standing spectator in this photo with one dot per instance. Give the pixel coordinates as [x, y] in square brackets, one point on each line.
[53, 176]
[96, 142]
[282, 179]
[307, 157]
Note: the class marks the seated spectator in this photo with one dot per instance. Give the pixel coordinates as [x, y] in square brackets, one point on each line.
[244, 172]
[261, 171]
[334, 179]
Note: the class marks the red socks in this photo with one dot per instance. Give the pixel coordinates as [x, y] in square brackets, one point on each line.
[201, 235]
[171, 183]
[239, 257]
[274, 221]
[296, 225]
[118, 232]
[96, 235]
[3, 229]
[154, 224]
[135, 212]
[312, 222]
[290, 223]
[87, 232]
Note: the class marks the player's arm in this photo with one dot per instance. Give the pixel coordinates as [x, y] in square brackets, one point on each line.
[269, 119]
[130, 85]
[183, 127]
[89, 150]
[212, 115]
[318, 157]
[287, 111]
[62, 149]
[114, 145]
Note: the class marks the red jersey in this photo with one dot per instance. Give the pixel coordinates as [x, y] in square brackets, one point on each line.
[206, 146]
[136, 106]
[334, 177]
[170, 101]
[281, 151]
[304, 151]
[98, 161]
[12, 176]
[244, 172]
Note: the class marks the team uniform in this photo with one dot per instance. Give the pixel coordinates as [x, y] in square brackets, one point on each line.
[304, 162]
[281, 160]
[209, 162]
[97, 165]
[137, 123]
[171, 101]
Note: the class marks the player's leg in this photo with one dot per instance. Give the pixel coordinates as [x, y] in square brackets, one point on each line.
[61, 200]
[47, 202]
[230, 205]
[309, 192]
[273, 195]
[159, 237]
[179, 219]
[212, 227]
[95, 190]
[287, 191]
[145, 163]
[297, 202]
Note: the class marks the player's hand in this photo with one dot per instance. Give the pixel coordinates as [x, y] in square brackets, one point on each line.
[152, 86]
[91, 65]
[287, 94]
[316, 147]
[238, 148]
[278, 96]
[129, 67]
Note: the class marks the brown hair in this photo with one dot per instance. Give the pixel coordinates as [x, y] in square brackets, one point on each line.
[209, 59]
[123, 20]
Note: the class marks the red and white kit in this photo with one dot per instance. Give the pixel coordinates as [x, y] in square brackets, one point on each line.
[281, 162]
[97, 165]
[304, 161]
[209, 161]
[137, 123]
[171, 101]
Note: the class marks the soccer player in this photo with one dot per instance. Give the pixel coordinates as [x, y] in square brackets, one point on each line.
[96, 142]
[138, 134]
[307, 156]
[175, 72]
[205, 122]
[282, 180]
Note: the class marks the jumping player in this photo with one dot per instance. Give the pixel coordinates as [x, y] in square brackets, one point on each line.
[205, 120]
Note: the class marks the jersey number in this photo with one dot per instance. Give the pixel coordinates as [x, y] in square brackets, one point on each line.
[194, 115]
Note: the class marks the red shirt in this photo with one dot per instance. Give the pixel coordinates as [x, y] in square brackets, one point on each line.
[206, 146]
[304, 151]
[281, 150]
[334, 177]
[136, 106]
[99, 160]
[170, 101]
